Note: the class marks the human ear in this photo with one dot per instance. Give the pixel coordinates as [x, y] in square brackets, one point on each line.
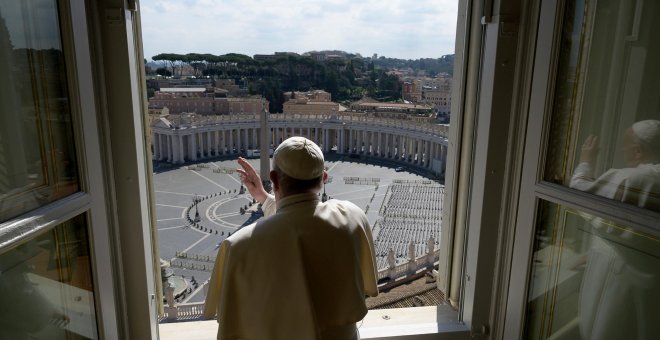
[274, 180]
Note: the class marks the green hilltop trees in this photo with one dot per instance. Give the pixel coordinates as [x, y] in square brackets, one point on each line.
[348, 78]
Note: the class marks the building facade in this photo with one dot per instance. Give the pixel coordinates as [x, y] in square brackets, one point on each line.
[189, 138]
[205, 101]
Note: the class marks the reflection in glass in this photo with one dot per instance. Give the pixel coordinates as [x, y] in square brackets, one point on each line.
[46, 289]
[592, 279]
[605, 128]
[37, 155]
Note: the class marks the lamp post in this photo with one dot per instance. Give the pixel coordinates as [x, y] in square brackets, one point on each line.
[196, 199]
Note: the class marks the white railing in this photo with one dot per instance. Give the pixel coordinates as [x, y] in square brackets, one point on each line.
[189, 311]
[410, 267]
[183, 311]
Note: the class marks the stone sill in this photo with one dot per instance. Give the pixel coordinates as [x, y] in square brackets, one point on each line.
[434, 322]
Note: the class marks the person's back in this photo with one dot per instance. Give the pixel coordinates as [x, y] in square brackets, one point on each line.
[301, 273]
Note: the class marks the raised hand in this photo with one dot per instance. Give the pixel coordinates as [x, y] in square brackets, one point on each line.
[590, 149]
[251, 180]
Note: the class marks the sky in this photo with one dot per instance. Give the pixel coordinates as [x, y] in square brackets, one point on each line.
[406, 29]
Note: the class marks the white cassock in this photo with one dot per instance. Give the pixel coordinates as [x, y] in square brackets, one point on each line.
[301, 273]
[620, 291]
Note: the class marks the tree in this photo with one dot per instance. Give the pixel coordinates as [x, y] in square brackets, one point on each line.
[172, 59]
[196, 61]
[163, 72]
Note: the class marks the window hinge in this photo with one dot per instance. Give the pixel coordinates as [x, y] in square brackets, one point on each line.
[487, 18]
[132, 5]
[481, 332]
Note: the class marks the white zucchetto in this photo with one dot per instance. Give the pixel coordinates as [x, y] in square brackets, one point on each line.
[299, 158]
[648, 132]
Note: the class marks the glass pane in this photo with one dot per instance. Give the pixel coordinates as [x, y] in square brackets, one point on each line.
[37, 156]
[605, 132]
[592, 279]
[46, 286]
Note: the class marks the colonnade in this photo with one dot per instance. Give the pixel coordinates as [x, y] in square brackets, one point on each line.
[191, 142]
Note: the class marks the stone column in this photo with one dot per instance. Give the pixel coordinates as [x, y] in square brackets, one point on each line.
[429, 154]
[194, 148]
[158, 140]
[413, 150]
[231, 142]
[154, 141]
[158, 146]
[360, 140]
[363, 141]
[340, 141]
[386, 143]
[182, 158]
[216, 143]
[443, 155]
[387, 148]
[373, 147]
[395, 145]
[200, 146]
[379, 148]
[168, 143]
[208, 144]
[326, 140]
[244, 139]
[264, 146]
[239, 142]
[350, 140]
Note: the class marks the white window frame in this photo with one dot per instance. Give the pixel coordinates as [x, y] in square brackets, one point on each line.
[534, 189]
[92, 196]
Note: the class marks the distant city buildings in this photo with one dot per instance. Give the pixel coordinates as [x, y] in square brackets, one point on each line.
[435, 92]
[204, 101]
[371, 105]
[274, 56]
[317, 102]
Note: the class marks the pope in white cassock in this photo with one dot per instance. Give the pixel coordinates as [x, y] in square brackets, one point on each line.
[620, 291]
[303, 271]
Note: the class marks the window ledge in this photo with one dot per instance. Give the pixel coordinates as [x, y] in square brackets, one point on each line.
[434, 322]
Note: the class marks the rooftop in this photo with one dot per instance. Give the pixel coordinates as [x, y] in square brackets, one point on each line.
[182, 89]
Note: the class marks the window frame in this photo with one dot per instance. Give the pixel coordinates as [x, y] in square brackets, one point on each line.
[90, 200]
[535, 189]
[115, 37]
[473, 262]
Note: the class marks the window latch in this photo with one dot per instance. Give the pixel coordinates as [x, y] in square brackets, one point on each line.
[480, 332]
